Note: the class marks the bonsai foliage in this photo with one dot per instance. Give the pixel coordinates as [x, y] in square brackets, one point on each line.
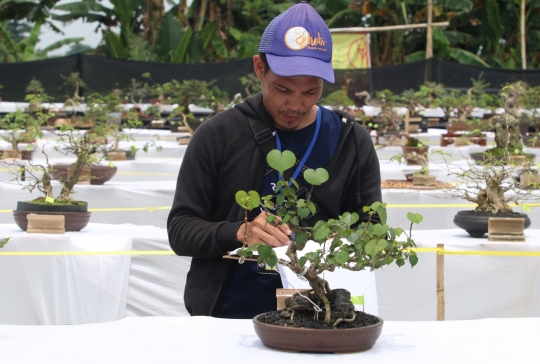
[345, 242]
[337, 99]
[88, 148]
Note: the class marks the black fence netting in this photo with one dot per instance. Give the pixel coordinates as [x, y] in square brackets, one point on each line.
[104, 75]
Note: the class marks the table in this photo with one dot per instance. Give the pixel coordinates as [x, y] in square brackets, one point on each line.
[210, 340]
[477, 286]
[97, 284]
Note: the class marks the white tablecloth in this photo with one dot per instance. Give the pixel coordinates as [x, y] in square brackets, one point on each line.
[477, 286]
[209, 340]
[74, 289]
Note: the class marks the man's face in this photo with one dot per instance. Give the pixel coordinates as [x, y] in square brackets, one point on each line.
[289, 100]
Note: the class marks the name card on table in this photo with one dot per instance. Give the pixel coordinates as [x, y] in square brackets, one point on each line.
[45, 224]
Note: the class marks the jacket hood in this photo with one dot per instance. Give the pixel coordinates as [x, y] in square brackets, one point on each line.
[254, 107]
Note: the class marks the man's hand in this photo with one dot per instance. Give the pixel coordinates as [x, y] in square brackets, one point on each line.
[261, 231]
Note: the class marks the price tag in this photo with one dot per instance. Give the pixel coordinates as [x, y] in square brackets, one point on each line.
[49, 200]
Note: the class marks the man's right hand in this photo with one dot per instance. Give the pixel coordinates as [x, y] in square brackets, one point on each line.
[261, 231]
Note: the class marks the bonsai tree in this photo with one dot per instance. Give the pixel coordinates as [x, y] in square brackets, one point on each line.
[347, 242]
[337, 99]
[490, 185]
[23, 127]
[530, 101]
[88, 148]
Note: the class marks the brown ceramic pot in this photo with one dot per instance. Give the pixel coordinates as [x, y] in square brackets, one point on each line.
[317, 340]
[74, 221]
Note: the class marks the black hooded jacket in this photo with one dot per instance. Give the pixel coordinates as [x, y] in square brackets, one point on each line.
[221, 159]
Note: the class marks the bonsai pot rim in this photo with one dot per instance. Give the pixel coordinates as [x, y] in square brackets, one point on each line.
[317, 340]
[30, 206]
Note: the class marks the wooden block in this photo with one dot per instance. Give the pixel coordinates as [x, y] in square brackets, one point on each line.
[433, 122]
[117, 156]
[45, 224]
[183, 140]
[420, 180]
[282, 294]
[506, 229]
[11, 155]
[158, 123]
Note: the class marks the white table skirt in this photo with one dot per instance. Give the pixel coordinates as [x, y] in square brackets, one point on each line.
[74, 289]
[476, 286]
[210, 340]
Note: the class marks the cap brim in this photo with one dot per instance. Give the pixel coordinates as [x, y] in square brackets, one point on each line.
[301, 66]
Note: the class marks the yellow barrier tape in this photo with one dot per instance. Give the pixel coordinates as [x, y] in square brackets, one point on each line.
[126, 252]
[112, 209]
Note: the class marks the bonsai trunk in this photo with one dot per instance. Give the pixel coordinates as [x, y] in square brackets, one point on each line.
[491, 199]
[319, 285]
[68, 185]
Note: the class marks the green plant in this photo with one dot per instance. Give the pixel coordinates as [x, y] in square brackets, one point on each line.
[337, 99]
[345, 242]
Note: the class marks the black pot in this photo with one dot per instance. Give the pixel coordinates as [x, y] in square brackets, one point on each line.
[476, 223]
[28, 206]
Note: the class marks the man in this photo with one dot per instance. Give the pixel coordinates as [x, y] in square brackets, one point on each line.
[228, 153]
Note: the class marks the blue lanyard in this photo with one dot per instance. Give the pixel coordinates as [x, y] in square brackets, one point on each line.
[308, 151]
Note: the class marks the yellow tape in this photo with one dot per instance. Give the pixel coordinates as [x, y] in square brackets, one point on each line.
[112, 209]
[126, 252]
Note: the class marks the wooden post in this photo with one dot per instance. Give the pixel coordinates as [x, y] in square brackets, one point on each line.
[440, 283]
[523, 38]
[429, 33]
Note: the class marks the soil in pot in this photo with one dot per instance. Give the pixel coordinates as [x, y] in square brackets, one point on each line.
[476, 223]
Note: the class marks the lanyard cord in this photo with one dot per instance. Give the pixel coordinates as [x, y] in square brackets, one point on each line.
[308, 151]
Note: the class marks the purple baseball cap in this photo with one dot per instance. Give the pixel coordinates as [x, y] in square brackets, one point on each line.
[298, 43]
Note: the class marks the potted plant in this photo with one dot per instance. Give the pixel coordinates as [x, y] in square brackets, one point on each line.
[488, 184]
[507, 132]
[413, 145]
[89, 147]
[337, 100]
[531, 101]
[341, 243]
[23, 127]
[388, 120]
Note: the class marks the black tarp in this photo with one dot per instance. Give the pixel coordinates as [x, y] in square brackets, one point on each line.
[104, 74]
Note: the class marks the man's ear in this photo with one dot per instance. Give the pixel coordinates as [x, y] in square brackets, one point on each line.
[258, 66]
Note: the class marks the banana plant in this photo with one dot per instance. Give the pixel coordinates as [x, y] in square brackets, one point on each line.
[25, 49]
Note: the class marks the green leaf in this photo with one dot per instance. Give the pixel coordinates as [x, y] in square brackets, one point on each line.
[303, 212]
[270, 218]
[3, 242]
[301, 237]
[381, 244]
[381, 211]
[371, 249]
[336, 242]
[303, 261]
[295, 220]
[321, 234]
[350, 219]
[316, 177]
[248, 200]
[413, 259]
[180, 52]
[342, 256]
[281, 161]
[264, 251]
[115, 46]
[466, 57]
[400, 262]
[272, 260]
[380, 230]
[375, 205]
[416, 218]
[280, 199]
[312, 208]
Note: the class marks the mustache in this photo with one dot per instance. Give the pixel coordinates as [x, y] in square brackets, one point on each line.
[292, 113]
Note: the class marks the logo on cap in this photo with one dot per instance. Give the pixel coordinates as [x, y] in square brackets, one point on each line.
[297, 38]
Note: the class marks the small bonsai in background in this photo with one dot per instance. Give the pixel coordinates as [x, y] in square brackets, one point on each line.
[338, 99]
[345, 242]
